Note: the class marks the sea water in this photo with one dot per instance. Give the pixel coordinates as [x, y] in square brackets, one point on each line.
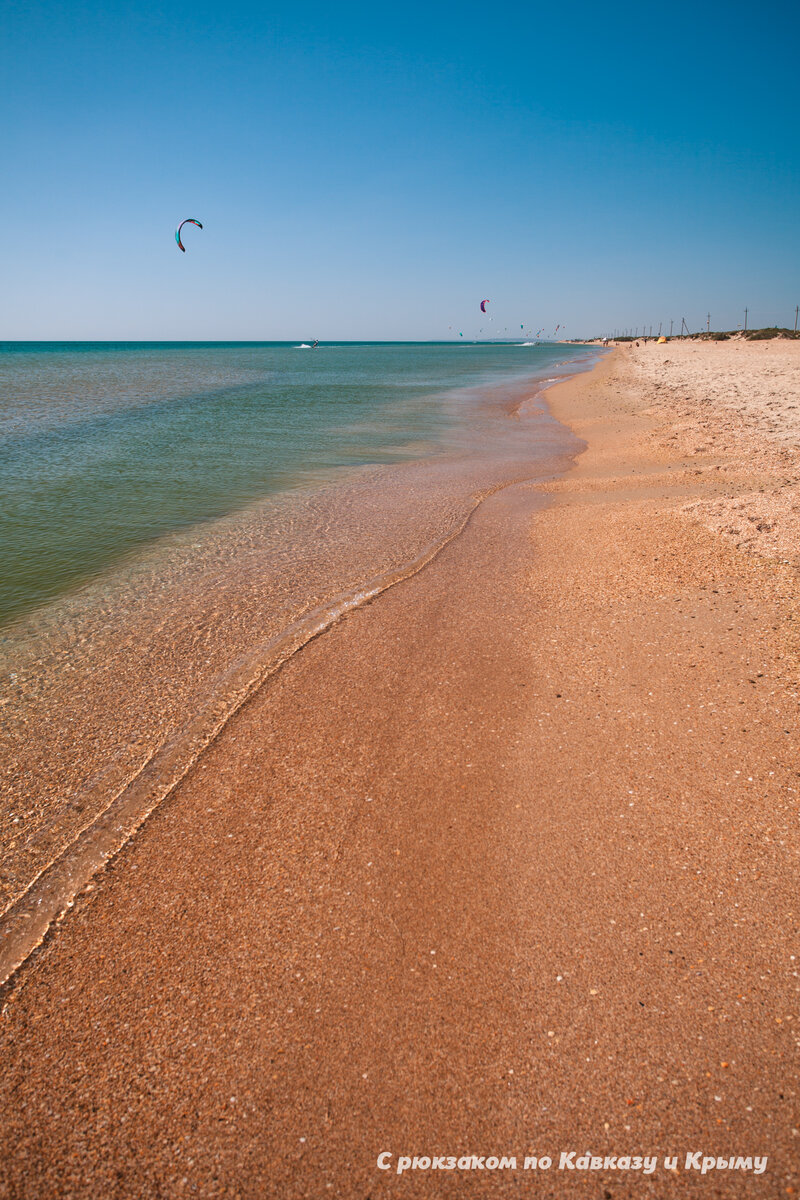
[107, 447]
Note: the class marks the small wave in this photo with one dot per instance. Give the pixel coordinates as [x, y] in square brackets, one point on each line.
[303, 346]
[26, 922]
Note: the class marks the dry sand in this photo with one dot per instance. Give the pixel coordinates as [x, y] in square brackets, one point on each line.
[735, 407]
[504, 863]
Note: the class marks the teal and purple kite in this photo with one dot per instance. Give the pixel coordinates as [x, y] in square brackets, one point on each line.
[188, 221]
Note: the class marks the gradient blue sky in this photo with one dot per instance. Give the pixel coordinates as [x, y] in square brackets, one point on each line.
[373, 171]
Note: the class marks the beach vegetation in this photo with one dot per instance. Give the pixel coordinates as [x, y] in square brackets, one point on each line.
[773, 331]
[752, 335]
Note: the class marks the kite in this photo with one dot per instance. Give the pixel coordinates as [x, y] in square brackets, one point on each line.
[483, 305]
[188, 221]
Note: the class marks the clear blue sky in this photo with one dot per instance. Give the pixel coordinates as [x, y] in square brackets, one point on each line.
[373, 171]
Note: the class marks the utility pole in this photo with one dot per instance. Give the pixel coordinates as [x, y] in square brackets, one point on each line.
[670, 328]
[651, 331]
[660, 323]
[745, 320]
[708, 322]
[796, 311]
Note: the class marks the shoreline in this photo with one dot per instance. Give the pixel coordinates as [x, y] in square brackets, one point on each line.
[507, 860]
[120, 753]
[206, 435]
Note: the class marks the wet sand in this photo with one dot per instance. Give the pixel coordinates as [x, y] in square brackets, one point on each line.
[503, 863]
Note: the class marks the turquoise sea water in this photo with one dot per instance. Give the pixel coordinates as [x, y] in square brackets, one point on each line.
[105, 447]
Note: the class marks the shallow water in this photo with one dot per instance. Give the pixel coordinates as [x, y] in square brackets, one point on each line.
[106, 448]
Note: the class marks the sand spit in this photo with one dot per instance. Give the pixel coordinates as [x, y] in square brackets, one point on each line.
[505, 863]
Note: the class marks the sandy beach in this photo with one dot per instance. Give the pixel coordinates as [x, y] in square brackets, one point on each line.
[505, 862]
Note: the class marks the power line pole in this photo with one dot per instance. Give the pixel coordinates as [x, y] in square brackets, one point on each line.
[708, 322]
[796, 311]
[660, 323]
[670, 328]
[745, 320]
